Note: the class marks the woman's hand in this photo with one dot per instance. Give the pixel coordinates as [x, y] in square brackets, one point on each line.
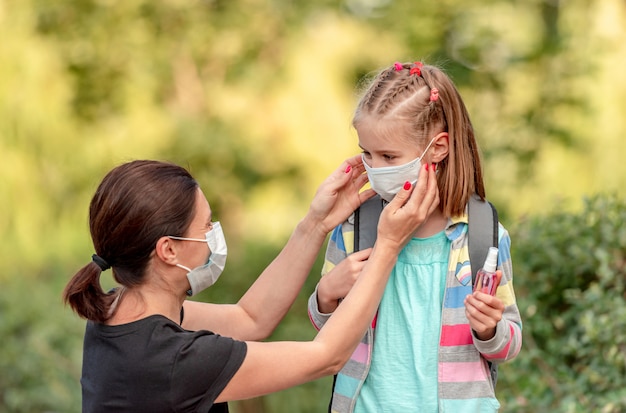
[338, 196]
[483, 312]
[336, 284]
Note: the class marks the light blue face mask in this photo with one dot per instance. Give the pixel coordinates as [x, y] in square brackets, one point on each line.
[206, 275]
[388, 180]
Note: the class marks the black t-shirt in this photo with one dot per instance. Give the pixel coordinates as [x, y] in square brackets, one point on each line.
[154, 365]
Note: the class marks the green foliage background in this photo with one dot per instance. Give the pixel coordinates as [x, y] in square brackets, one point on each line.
[255, 97]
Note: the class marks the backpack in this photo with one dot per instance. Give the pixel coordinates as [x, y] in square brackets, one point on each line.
[482, 229]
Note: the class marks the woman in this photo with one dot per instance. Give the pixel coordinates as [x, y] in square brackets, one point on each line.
[148, 349]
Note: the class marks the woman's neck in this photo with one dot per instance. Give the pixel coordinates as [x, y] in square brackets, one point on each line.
[138, 303]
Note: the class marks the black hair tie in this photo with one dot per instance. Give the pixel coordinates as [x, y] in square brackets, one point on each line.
[100, 262]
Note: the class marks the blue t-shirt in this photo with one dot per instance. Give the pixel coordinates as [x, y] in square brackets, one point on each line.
[403, 373]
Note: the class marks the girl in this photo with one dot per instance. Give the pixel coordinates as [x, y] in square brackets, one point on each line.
[147, 349]
[427, 348]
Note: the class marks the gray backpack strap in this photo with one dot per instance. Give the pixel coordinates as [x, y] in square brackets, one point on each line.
[366, 223]
[482, 234]
[483, 231]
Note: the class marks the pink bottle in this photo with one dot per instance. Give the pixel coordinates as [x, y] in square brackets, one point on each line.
[486, 280]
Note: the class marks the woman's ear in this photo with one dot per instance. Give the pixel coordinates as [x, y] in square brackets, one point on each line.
[440, 148]
[166, 250]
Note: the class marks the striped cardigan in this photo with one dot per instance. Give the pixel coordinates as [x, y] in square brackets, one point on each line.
[464, 380]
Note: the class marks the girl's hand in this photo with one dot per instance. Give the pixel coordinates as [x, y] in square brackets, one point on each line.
[338, 196]
[336, 284]
[483, 312]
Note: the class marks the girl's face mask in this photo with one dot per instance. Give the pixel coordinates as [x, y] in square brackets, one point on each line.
[206, 275]
[388, 180]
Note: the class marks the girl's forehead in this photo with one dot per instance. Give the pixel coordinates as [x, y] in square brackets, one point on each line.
[384, 135]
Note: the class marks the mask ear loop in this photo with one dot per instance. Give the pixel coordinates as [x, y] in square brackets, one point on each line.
[186, 239]
[428, 147]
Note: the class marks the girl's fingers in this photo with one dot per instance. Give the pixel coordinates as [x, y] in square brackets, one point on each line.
[361, 255]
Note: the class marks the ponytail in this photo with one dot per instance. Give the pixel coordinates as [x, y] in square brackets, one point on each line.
[85, 295]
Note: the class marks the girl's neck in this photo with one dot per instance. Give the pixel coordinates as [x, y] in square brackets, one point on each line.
[434, 223]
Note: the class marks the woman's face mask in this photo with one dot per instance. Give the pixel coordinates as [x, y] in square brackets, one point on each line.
[206, 275]
[388, 180]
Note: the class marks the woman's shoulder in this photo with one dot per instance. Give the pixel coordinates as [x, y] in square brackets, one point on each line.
[133, 327]
[153, 330]
[157, 334]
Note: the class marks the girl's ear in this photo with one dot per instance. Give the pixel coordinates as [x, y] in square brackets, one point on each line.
[440, 148]
[166, 250]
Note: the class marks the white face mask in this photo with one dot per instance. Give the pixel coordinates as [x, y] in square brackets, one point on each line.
[206, 275]
[388, 180]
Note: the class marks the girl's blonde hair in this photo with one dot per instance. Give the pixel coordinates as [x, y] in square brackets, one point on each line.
[424, 97]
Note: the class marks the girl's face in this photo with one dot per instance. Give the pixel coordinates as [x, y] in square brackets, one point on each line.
[386, 143]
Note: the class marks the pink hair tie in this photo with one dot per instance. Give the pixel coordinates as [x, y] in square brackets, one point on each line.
[434, 94]
[398, 66]
[416, 69]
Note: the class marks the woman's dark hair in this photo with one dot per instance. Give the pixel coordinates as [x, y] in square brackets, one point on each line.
[135, 204]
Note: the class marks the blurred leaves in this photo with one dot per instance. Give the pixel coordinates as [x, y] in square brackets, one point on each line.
[570, 282]
[40, 363]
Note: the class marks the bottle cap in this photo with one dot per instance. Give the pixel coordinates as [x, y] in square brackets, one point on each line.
[492, 260]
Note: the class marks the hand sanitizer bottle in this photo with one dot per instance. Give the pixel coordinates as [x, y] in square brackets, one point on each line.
[486, 280]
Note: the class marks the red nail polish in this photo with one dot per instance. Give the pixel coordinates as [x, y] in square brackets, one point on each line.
[426, 166]
[434, 166]
[407, 185]
[348, 169]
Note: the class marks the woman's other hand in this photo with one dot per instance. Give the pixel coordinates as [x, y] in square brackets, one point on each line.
[339, 195]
